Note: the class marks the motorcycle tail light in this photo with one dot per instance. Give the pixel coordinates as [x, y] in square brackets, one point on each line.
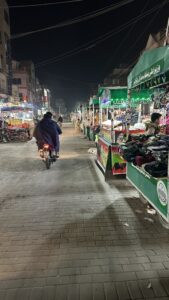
[46, 146]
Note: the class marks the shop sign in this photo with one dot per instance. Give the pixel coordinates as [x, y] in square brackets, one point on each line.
[105, 100]
[149, 73]
[162, 193]
[103, 152]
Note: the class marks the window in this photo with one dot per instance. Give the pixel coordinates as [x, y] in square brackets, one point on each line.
[6, 16]
[17, 81]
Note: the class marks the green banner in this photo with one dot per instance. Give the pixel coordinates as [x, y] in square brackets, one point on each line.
[150, 65]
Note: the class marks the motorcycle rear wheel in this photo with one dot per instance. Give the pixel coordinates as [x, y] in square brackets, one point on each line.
[47, 163]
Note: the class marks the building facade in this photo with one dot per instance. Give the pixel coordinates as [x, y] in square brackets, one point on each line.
[118, 76]
[5, 50]
[39, 94]
[24, 79]
[156, 40]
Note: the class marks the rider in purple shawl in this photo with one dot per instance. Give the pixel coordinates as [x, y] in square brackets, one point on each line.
[47, 132]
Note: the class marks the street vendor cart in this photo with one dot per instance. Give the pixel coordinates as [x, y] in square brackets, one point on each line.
[114, 116]
[152, 73]
[18, 120]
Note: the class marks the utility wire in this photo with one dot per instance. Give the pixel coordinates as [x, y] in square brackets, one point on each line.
[43, 4]
[99, 40]
[62, 78]
[82, 18]
[137, 40]
[142, 32]
[115, 53]
[132, 62]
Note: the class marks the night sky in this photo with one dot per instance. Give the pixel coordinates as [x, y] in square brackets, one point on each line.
[74, 78]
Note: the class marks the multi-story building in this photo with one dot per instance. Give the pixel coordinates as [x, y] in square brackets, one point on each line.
[5, 50]
[24, 78]
[39, 94]
[156, 40]
[46, 98]
[118, 76]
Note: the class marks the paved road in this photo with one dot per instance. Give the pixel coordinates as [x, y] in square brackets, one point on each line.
[65, 234]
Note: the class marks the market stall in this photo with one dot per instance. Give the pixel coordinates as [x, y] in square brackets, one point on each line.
[17, 120]
[93, 117]
[117, 121]
[147, 167]
[86, 120]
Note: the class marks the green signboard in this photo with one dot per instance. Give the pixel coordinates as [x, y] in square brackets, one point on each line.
[150, 65]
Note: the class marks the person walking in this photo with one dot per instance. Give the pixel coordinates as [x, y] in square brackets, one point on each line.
[60, 121]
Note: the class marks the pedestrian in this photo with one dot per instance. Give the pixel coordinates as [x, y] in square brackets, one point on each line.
[60, 121]
[78, 125]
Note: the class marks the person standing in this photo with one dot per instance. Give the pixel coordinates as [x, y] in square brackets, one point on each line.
[60, 121]
[153, 127]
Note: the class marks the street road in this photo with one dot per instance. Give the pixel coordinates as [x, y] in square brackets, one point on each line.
[65, 234]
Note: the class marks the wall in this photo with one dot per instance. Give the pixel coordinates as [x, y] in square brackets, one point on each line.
[5, 53]
[24, 78]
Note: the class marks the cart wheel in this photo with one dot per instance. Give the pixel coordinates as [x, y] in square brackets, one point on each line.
[143, 200]
[163, 222]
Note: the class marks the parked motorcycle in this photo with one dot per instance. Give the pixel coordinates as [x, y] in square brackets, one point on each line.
[48, 155]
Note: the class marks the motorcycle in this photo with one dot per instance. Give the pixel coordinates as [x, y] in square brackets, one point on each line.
[48, 155]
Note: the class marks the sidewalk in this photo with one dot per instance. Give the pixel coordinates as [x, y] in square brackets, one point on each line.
[65, 234]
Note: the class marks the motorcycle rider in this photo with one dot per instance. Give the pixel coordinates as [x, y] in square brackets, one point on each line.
[47, 131]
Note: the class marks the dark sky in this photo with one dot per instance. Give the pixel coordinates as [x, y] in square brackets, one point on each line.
[73, 78]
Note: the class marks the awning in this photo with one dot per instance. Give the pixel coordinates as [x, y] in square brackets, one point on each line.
[100, 91]
[118, 95]
[141, 95]
[114, 96]
[94, 101]
[150, 65]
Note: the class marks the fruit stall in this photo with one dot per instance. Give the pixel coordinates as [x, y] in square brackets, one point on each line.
[17, 121]
[17, 115]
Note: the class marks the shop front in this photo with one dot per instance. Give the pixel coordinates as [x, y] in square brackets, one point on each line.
[147, 166]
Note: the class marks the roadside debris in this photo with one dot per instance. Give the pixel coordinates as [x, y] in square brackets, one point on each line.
[149, 220]
[151, 211]
[138, 211]
[92, 151]
[149, 286]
